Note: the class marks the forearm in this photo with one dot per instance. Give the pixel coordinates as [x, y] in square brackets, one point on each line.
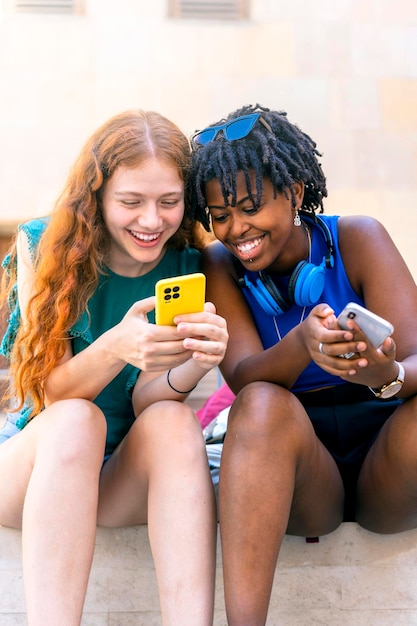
[174, 384]
[84, 375]
[281, 364]
[410, 378]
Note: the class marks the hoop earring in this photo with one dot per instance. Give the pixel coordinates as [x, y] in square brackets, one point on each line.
[297, 218]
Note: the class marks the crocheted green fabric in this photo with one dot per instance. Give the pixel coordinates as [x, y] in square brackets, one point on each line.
[112, 299]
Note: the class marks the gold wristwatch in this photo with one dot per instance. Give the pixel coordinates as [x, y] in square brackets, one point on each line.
[390, 389]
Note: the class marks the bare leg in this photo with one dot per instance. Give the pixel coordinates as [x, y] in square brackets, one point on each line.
[49, 487]
[274, 475]
[160, 474]
[387, 486]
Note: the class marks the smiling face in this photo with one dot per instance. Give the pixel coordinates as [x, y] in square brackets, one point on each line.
[264, 237]
[143, 208]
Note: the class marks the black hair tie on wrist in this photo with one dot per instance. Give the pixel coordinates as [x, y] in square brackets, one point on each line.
[177, 390]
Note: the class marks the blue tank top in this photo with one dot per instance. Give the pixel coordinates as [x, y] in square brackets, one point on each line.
[337, 292]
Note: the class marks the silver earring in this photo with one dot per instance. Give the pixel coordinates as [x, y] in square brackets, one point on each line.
[297, 219]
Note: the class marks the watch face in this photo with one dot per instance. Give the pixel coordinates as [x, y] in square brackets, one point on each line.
[391, 390]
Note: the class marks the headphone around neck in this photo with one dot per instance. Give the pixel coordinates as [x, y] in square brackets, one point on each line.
[305, 284]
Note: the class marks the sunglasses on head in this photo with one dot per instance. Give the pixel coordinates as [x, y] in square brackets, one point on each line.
[234, 129]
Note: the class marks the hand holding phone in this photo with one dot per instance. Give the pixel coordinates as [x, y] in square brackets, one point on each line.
[375, 328]
[179, 295]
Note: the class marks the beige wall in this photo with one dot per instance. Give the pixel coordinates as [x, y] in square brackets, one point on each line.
[345, 70]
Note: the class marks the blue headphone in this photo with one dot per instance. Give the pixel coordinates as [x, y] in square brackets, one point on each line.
[305, 284]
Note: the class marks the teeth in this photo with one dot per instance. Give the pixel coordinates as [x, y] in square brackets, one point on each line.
[143, 237]
[248, 247]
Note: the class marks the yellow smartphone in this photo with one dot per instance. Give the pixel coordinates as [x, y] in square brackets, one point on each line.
[179, 294]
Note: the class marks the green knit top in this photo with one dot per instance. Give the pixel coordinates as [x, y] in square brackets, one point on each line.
[113, 297]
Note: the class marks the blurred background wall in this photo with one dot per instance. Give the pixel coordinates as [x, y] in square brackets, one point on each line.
[344, 70]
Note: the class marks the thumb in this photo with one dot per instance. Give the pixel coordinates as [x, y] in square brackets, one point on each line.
[323, 310]
[142, 307]
[389, 347]
[209, 307]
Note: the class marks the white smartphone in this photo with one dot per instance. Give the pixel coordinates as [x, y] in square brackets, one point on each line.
[374, 327]
[179, 294]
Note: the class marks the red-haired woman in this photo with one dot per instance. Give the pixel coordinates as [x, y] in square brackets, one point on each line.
[101, 434]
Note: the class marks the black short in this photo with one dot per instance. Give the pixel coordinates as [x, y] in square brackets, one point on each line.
[347, 419]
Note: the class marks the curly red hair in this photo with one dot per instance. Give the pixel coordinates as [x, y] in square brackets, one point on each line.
[72, 251]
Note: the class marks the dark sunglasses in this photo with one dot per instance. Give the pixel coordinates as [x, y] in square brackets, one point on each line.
[235, 129]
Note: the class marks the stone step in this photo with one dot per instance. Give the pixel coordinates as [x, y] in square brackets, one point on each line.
[349, 578]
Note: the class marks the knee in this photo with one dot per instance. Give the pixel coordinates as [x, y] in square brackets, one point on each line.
[173, 424]
[262, 409]
[75, 429]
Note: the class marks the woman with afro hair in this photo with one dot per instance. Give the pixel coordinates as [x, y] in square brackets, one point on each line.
[324, 424]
